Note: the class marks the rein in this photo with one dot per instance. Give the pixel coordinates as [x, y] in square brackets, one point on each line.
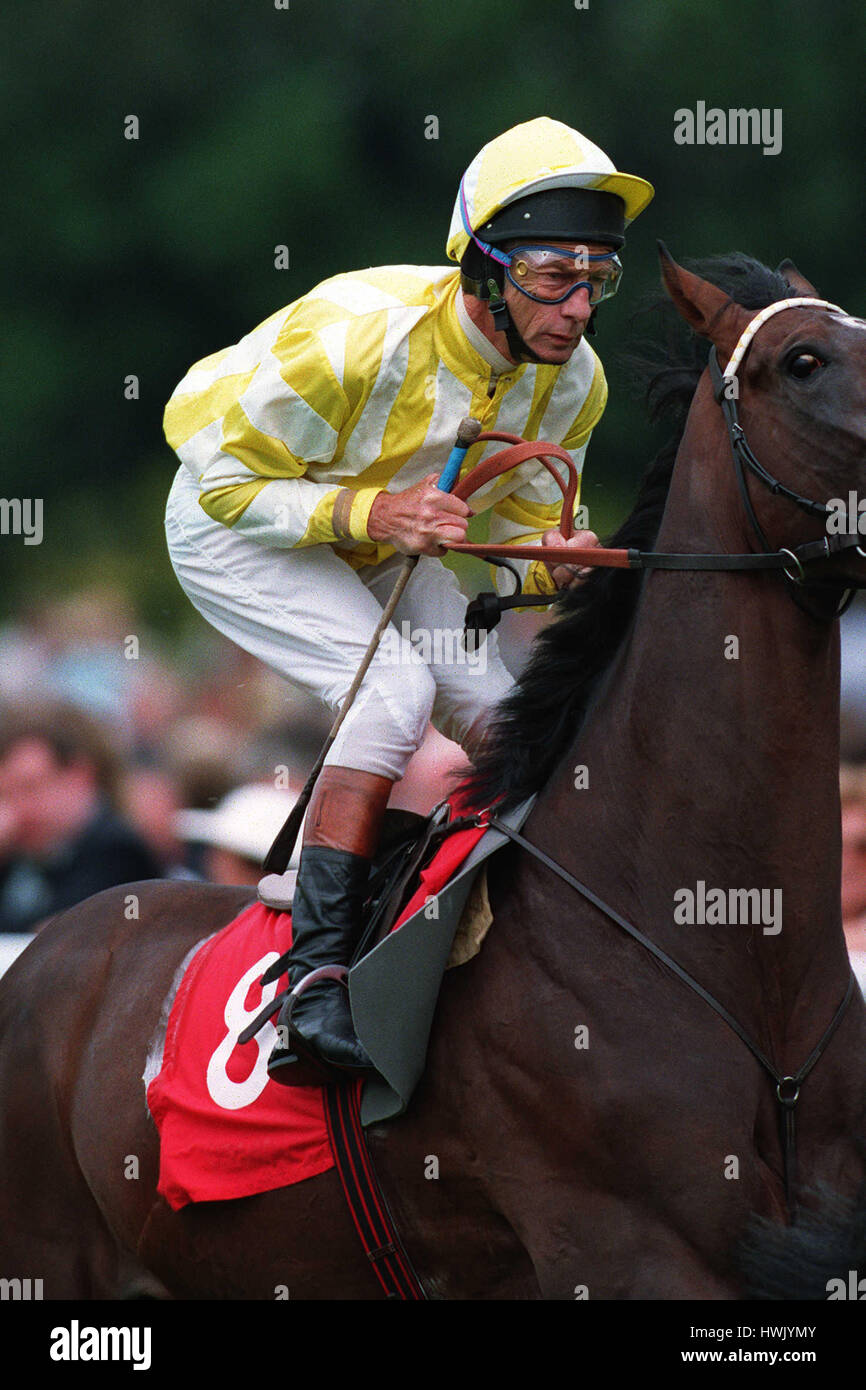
[787, 1087]
[790, 561]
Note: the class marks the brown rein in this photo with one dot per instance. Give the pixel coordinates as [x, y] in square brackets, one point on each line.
[520, 450]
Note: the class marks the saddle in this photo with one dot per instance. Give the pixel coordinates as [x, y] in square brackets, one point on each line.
[407, 844]
[395, 975]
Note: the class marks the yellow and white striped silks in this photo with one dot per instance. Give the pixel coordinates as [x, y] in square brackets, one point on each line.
[359, 386]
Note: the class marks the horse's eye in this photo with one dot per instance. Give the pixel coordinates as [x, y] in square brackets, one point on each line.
[804, 364]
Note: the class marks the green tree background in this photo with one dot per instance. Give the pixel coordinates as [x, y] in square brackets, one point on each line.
[305, 125]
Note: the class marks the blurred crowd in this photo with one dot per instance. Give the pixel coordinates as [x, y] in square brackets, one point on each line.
[120, 760]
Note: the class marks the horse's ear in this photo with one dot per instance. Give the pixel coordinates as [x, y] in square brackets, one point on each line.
[706, 308]
[798, 282]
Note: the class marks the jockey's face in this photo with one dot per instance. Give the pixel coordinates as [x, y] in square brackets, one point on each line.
[552, 331]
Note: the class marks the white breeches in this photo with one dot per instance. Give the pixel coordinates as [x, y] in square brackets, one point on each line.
[308, 615]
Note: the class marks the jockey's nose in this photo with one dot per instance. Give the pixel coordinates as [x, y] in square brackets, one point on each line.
[577, 307]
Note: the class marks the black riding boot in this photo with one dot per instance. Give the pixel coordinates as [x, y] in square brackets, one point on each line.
[317, 1041]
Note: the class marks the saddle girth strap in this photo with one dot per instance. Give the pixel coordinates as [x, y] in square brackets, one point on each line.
[364, 1197]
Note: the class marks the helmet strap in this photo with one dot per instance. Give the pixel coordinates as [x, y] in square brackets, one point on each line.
[497, 306]
[520, 350]
[493, 292]
[503, 323]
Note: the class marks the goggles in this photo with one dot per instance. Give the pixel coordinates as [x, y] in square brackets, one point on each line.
[552, 274]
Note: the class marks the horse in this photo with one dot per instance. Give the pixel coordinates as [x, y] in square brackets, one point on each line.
[600, 1130]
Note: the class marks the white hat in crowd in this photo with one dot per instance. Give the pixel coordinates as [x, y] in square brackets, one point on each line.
[245, 822]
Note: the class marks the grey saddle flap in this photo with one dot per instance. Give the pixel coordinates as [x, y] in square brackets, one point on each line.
[394, 988]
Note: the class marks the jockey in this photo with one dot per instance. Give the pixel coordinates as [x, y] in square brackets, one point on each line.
[309, 457]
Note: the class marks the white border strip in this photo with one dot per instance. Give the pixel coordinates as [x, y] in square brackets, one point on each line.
[153, 1061]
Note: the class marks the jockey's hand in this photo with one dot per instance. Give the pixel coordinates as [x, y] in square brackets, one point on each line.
[419, 519]
[569, 576]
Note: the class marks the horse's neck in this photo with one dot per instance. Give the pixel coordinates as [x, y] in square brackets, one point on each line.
[712, 757]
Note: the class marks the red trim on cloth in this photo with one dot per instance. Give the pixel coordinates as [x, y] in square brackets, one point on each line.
[442, 868]
[226, 1129]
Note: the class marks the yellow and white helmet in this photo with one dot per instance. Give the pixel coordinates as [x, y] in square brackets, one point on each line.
[541, 156]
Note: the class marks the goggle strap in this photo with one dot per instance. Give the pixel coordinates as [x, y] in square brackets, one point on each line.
[498, 307]
[498, 256]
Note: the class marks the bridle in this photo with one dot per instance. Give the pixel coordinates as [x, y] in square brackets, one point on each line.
[485, 611]
[725, 389]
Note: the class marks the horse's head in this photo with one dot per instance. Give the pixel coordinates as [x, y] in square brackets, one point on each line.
[795, 383]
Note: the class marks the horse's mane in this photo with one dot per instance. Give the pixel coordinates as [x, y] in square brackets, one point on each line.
[536, 723]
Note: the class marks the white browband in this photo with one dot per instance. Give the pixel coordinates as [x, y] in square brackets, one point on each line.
[752, 327]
